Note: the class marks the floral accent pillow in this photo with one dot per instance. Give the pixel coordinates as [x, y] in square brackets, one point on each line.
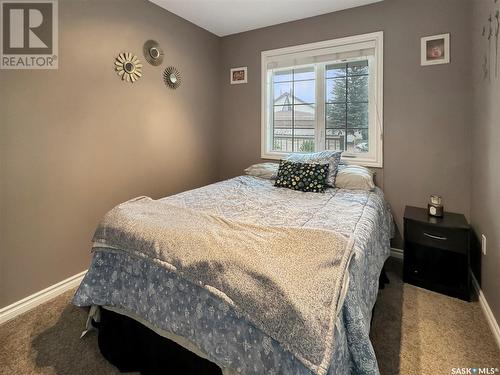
[332, 158]
[302, 176]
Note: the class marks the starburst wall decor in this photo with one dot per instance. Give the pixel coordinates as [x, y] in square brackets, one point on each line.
[172, 77]
[128, 67]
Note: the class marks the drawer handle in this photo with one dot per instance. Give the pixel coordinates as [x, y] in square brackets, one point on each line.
[435, 237]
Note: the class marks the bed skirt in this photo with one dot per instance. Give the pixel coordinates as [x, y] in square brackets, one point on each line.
[131, 346]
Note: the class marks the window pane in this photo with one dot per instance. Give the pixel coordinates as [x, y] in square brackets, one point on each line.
[357, 140]
[304, 92]
[347, 115]
[357, 89]
[294, 111]
[304, 144]
[357, 115]
[303, 140]
[304, 116]
[304, 73]
[282, 117]
[283, 93]
[282, 129]
[335, 140]
[304, 120]
[282, 143]
[335, 90]
[335, 70]
[357, 67]
[283, 75]
[336, 115]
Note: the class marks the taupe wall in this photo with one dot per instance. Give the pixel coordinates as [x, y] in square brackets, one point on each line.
[427, 110]
[76, 141]
[485, 205]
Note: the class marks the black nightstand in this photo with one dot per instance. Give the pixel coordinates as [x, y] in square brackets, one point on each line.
[437, 252]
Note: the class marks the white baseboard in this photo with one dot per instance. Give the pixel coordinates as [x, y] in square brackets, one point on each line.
[9, 312]
[397, 253]
[495, 329]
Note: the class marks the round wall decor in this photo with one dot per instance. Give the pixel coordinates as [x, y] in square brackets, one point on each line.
[128, 67]
[172, 77]
[152, 52]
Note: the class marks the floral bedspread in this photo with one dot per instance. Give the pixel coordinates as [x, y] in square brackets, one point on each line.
[168, 302]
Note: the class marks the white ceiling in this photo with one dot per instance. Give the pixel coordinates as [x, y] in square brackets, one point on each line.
[225, 17]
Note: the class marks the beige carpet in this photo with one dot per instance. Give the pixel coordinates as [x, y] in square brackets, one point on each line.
[414, 332]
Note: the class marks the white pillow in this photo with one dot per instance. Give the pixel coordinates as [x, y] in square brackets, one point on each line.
[263, 170]
[355, 177]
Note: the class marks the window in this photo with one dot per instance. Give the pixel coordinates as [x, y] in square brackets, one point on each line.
[324, 96]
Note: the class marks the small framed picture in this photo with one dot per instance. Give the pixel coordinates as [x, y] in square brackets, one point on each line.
[238, 75]
[435, 49]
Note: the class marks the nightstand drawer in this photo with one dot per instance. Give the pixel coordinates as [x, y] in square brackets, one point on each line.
[432, 236]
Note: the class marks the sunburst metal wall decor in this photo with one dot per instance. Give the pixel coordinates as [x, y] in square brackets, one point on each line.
[172, 77]
[152, 52]
[128, 67]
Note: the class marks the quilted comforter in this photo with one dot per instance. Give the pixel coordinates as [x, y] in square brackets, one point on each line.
[174, 304]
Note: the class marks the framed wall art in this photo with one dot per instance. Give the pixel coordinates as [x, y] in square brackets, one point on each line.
[435, 49]
[239, 75]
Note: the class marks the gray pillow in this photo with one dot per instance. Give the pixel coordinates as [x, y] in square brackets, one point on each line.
[332, 158]
[355, 177]
[263, 170]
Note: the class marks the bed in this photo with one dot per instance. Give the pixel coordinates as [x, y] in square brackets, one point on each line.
[206, 323]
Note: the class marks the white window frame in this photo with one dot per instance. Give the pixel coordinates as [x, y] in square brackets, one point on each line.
[374, 158]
